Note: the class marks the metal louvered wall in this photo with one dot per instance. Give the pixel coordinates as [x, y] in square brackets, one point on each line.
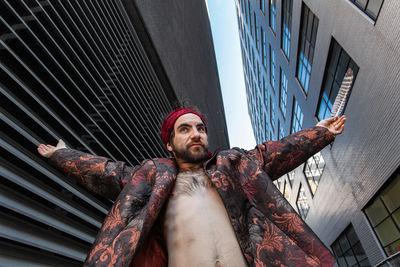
[74, 70]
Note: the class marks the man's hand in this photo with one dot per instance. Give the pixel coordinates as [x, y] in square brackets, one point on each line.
[48, 150]
[334, 125]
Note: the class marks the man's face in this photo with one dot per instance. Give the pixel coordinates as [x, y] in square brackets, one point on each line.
[189, 142]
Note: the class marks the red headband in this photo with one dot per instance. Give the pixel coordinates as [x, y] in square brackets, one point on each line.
[169, 122]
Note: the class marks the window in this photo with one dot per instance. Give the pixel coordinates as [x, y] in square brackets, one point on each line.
[281, 131]
[287, 191]
[337, 64]
[291, 177]
[272, 135]
[370, 7]
[308, 36]
[280, 183]
[348, 250]
[272, 15]
[265, 94]
[313, 171]
[297, 120]
[272, 113]
[255, 30]
[262, 6]
[266, 127]
[286, 26]
[272, 67]
[252, 59]
[247, 12]
[302, 203]
[258, 75]
[283, 93]
[251, 25]
[384, 215]
[264, 47]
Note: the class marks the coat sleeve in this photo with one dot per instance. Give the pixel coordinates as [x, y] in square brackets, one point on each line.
[280, 157]
[98, 174]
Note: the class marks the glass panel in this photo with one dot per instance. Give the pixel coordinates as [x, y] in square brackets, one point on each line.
[350, 259]
[391, 196]
[322, 109]
[313, 186]
[334, 92]
[278, 183]
[291, 177]
[341, 261]
[396, 217]
[309, 26]
[373, 7]
[376, 212]
[359, 252]
[334, 58]
[336, 249]
[393, 248]
[361, 3]
[287, 191]
[364, 263]
[351, 236]
[314, 34]
[342, 68]
[387, 231]
[302, 203]
[344, 243]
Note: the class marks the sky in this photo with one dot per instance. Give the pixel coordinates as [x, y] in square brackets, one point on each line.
[224, 29]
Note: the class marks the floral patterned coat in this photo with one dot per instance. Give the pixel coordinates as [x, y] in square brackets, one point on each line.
[269, 231]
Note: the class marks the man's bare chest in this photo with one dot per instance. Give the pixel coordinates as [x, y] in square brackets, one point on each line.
[197, 226]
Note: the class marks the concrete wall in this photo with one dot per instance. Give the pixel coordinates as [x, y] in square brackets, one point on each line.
[181, 35]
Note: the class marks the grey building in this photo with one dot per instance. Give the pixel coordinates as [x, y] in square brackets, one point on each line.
[295, 54]
[101, 75]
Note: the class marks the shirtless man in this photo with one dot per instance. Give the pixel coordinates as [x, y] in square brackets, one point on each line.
[196, 226]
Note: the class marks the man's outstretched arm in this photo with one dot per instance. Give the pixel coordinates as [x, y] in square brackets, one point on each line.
[98, 174]
[280, 157]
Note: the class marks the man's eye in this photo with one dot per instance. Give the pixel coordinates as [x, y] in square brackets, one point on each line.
[183, 130]
[201, 129]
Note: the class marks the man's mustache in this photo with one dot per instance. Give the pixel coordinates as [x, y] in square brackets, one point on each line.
[196, 143]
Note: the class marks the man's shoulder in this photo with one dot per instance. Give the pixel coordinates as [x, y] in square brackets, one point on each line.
[233, 150]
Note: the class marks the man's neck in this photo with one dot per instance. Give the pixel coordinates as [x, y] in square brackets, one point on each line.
[185, 166]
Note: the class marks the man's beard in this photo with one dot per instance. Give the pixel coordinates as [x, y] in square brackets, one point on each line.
[190, 157]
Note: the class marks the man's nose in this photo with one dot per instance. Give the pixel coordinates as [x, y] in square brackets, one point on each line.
[195, 133]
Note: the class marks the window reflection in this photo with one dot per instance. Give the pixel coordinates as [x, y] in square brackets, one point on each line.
[384, 215]
[302, 202]
[348, 250]
[313, 171]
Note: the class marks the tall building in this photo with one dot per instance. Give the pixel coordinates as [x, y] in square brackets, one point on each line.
[295, 54]
[101, 75]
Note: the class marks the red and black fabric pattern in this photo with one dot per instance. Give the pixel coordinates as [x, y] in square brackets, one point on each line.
[268, 229]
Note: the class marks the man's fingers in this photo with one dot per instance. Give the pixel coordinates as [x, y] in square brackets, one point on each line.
[341, 129]
[339, 122]
[42, 147]
[331, 120]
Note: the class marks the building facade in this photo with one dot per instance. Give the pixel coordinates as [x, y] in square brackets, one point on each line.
[101, 75]
[295, 54]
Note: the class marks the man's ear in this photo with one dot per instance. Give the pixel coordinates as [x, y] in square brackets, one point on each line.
[169, 147]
